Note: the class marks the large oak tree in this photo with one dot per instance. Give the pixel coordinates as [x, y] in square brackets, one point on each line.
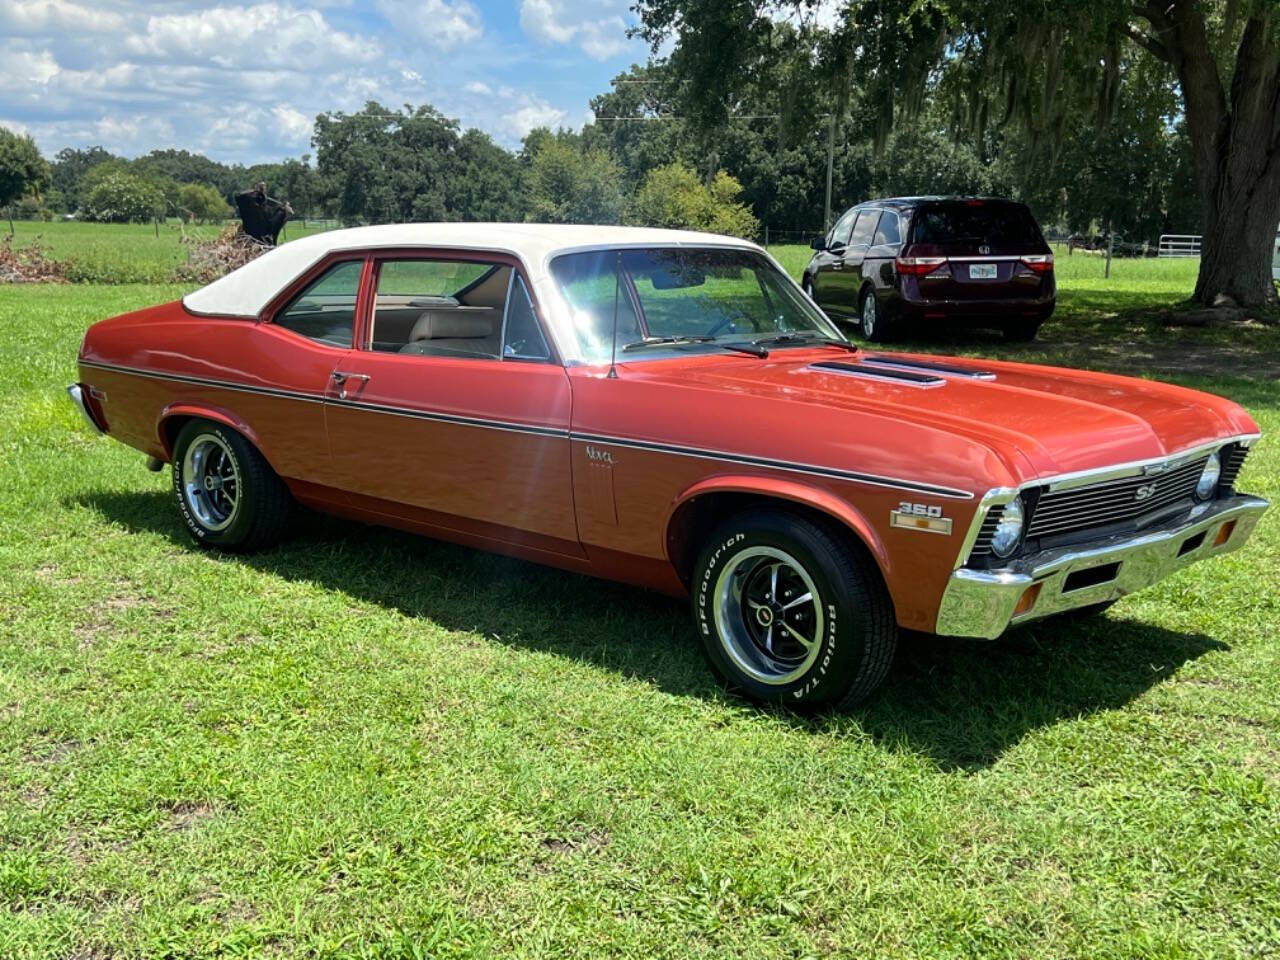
[1032, 64]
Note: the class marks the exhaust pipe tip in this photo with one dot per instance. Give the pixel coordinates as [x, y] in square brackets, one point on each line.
[155, 464]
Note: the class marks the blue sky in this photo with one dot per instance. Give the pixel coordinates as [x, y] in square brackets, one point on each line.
[242, 81]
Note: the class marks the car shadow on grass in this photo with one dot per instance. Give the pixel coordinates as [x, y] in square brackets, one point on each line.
[961, 703]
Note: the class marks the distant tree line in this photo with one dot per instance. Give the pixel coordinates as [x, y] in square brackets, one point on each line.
[652, 156]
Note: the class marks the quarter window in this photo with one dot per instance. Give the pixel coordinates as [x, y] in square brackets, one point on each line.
[522, 337]
[326, 310]
[888, 232]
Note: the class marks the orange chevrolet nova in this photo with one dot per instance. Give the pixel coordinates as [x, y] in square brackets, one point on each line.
[670, 410]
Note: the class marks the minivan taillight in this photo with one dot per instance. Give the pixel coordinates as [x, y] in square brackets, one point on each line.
[1040, 263]
[918, 266]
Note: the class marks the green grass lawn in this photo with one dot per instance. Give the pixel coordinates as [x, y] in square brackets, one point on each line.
[368, 744]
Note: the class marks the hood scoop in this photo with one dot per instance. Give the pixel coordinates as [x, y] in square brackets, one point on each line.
[907, 378]
[947, 368]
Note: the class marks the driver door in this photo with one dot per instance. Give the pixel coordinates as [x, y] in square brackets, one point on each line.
[452, 411]
[830, 265]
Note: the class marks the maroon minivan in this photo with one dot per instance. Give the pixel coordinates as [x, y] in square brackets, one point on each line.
[979, 261]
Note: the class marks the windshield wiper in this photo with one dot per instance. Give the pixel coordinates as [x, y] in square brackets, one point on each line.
[664, 341]
[754, 349]
[783, 339]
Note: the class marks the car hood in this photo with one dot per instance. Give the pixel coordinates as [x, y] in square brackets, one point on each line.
[1040, 421]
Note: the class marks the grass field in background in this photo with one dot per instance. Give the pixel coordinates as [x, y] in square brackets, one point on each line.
[120, 253]
[368, 744]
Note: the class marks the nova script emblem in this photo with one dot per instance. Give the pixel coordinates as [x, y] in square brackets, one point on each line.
[1145, 492]
[599, 456]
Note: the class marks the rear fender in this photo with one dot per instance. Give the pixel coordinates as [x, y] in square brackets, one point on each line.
[202, 411]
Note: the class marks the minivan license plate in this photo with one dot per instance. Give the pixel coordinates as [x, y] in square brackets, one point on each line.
[982, 271]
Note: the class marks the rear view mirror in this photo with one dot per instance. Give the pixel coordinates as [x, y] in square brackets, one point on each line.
[818, 243]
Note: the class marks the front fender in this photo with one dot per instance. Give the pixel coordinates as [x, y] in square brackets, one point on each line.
[779, 489]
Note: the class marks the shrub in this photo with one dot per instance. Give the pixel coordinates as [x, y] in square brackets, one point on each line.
[675, 196]
[120, 197]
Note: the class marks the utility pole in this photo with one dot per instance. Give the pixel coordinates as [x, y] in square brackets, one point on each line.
[831, 159]
[1111, 239]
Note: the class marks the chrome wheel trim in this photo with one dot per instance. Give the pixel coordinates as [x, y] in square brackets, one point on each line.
[768, 615]
[211, 482]
[868, 314]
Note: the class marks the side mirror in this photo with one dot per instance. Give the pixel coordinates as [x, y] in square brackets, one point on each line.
[818, 243]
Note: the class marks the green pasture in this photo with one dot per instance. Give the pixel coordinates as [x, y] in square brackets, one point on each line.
[367, 744]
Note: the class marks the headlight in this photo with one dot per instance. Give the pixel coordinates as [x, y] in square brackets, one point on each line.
[1208, 481]
[1009, 530]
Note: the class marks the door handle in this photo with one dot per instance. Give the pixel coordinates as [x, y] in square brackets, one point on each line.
[341, 377]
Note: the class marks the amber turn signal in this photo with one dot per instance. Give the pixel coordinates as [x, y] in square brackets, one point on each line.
[1028, 599]
[1224, 533]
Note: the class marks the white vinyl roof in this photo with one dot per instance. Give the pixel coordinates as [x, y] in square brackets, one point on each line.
[247, 291]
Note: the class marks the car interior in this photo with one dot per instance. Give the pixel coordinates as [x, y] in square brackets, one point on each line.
[466, 322]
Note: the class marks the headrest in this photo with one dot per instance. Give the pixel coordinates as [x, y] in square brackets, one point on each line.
[474, 323]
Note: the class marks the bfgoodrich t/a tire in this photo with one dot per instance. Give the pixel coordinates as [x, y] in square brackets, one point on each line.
[792, 612]
[227, 493]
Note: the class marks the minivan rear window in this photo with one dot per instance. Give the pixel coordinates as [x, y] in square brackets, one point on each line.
[970, 222]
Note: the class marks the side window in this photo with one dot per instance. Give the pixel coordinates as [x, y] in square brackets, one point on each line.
[888, 231]
[864, 228]
[840, 232]
[439, 308]
[521, 336]
[326, 310]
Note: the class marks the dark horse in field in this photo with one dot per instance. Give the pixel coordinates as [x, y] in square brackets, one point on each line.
[263, 217]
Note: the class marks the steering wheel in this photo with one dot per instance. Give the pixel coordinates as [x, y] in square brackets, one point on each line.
[727, 322]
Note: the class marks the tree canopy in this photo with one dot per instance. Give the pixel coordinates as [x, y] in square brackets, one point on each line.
[22, 168]
[1028, 69]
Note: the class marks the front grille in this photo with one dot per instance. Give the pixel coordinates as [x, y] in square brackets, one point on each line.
[1114, 501]
[982, 545]
[1232, 460]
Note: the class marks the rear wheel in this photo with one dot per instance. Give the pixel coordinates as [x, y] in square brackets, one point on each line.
[875, 325]
[227, 493]
[1022, 331]
[792, 613]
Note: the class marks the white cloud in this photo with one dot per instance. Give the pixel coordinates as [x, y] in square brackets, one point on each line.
[266, 34]
[478, 86]
[294, 125]
[597, 27]
[21, 69]
[21, 17]
[539, 113]
[441, 24]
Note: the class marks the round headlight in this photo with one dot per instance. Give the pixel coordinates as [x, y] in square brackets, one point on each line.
[1008, 533]
[1209, 478]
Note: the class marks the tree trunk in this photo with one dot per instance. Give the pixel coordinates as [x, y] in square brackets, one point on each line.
[1235, 142]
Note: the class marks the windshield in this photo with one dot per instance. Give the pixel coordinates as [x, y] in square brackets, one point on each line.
[714, 295]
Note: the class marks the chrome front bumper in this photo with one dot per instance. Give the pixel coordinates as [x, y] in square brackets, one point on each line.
[983, 603]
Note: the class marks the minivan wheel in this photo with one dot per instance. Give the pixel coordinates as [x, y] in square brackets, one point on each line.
[227, 493]
[791, 612]
[1022, 331]
[875, 325]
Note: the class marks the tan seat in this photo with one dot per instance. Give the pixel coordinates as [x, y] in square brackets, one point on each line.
[463, 331]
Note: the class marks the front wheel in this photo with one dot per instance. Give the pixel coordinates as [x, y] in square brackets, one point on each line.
[793, 613]
[227, 493]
